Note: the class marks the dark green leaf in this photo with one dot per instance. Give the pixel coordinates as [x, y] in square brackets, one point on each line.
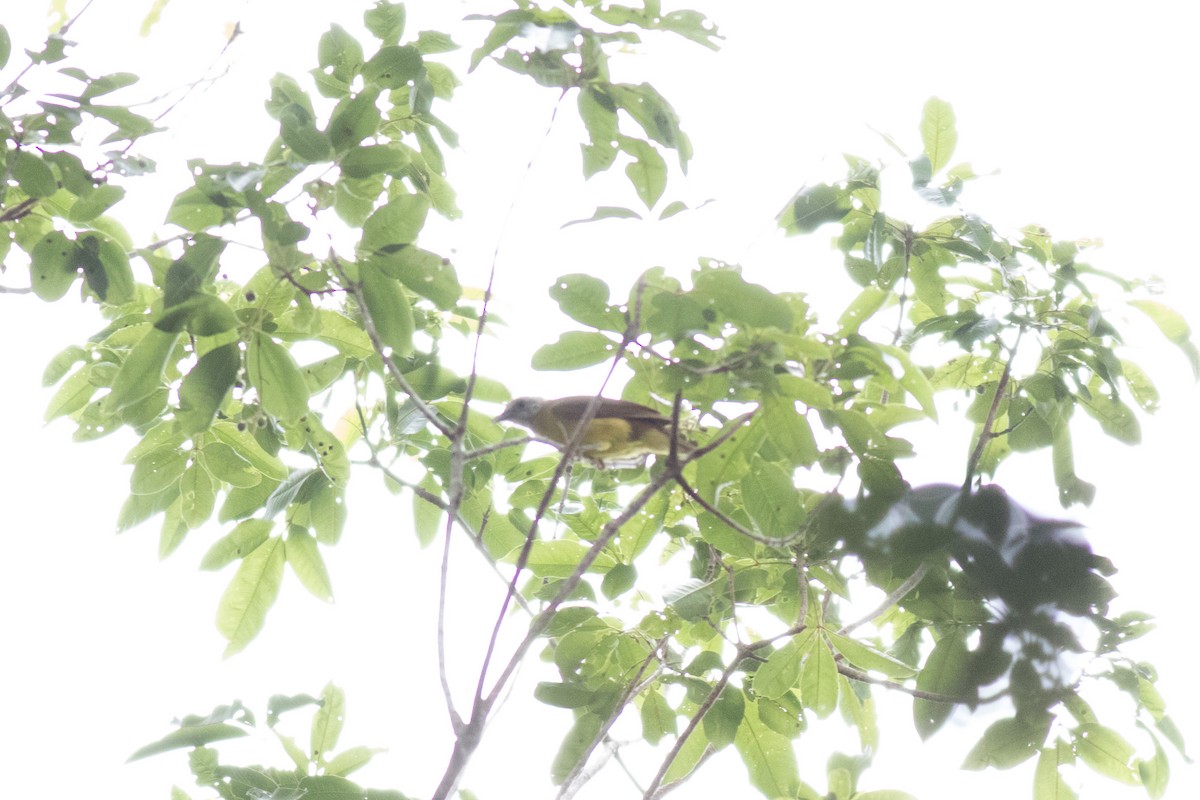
[353, 120]
[32, 174]
[724, 717]
[141, 372]
[945, 672]
[274, 374]
[390, 310]
[394, 66]
[375, 159]
[299, 131]
[813, 207]
[54, 266]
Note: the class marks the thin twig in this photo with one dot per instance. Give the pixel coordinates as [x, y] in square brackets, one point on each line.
[894, 597]
[577, 777]
[985, 434]
[921, 694]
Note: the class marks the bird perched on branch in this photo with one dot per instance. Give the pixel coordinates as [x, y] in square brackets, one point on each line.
[620, 430]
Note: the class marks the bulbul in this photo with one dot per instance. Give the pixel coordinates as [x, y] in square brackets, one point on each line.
[620, 430]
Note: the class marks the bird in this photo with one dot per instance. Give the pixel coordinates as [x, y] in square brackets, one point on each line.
[620, 431]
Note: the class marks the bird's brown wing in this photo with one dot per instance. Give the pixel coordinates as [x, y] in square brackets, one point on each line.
[573, 408]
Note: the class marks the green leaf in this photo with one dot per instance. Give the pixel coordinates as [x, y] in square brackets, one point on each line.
[772, 501]
[197, 496]
[819, 679]
[1048, 783]
[328, 721]
[238, 543]
[813, 207]
[1008, 742]
[861, 309]
[769, 757]
[689, 757]
[304, 557]
[394, 66]
[95, 203]
[73, 395]
[781, 671]
[1071, 488]
[250, 595]
[353, 120]
[205, 386]
[789, 430]
[605, 212]
[1155, 773]
[299, 131]
[246, 446]
[226, 465]
[5, 47]
[396, 223]
[351, 759]
[584, 298]
[391, 312]
[575, 745]
[1116, 419]
[105, 268]
[945, 672]
[618, 580]
[724, 716]
[1106, 751]
[385, 21]
[574, 350]
[425, 273]
[749, 304]
[32, 174]
[868, 658]
[53, 266]
[339, 53]
[648, 172]
[190, 736]
[194, 270]
[938, 134]
[375, 159]
[340, 332]
[914, 380]
[1174, 327]
[157, 470]
[658, 718]
[273, 372]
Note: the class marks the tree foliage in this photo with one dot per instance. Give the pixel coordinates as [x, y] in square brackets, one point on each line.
[815, 574]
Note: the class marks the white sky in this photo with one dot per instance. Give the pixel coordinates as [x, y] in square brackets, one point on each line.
[1088, 110]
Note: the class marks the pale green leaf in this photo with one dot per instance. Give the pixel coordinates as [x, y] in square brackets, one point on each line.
[250, 595]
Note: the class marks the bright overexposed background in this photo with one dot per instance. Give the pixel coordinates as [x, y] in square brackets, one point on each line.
[1087, 110]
